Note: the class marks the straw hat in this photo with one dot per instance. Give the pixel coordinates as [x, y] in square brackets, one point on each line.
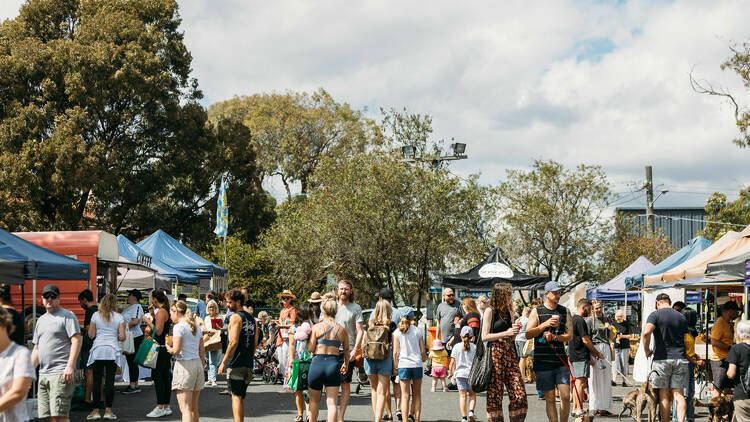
[287, 293]
[315, 297]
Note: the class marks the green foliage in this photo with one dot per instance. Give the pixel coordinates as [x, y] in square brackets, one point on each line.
[553, 218]
[719, 209]
[628, 242]
[293, 132]
[100, 125]
[248, 267]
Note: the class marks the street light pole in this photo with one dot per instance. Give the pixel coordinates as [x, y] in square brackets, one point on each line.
[410, 155]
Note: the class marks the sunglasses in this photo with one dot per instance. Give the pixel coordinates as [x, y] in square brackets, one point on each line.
[49, 296]
[450, 295]
[286, 298]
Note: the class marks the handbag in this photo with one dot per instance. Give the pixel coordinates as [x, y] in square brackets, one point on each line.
[147, 353]
[300, 370]
[428, 367]
[127, 346]
[212, 342]
[481, 365]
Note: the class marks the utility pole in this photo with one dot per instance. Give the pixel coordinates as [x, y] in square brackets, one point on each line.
[649, 199]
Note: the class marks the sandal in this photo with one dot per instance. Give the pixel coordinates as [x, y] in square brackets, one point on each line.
[299, 418]
[387, 418]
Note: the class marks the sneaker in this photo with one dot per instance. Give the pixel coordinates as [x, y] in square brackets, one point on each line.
[94, 415]
[472, 418]
[213, 383]
[624, 384]
[432, 389]
[399, 416]
[109, 416]
[131, 390]
[168, 411]
[614, 384]
[157, 413]
[411, 418]
[463, 419]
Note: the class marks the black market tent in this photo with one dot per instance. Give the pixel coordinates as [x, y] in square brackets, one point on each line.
[35, 262]
[494, 269]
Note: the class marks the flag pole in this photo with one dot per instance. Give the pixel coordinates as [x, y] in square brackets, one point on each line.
[225, 260]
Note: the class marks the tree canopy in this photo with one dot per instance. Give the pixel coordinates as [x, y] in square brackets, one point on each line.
[553, 218]
[628, 241]
[100, 125]
[736, 214]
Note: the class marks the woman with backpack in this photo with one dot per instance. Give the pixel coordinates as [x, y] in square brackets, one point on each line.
[377, 350]
[739, 370]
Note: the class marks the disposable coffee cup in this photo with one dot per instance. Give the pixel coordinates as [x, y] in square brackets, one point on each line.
[555, 320]
[516, 324]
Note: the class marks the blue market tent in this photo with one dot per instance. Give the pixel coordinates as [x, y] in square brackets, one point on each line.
[22, 260]
[614, 290]
[694, 247]
[131, 251]
[165, 249]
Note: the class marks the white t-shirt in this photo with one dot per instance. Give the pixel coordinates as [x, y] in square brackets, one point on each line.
[190, 341]
[463, 359]
[409, 353]
[134, 311]
[521, 336]
[15, 362]
[106, 346]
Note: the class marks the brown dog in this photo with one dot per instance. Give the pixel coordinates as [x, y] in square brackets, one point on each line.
[719, 408]
[636, 401]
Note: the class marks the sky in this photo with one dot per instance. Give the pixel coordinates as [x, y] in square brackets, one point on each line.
[579, 82]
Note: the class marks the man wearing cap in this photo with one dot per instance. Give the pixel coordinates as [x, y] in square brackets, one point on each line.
[448, 313]
[132, 316]
[722, 338]
[550, 325]
[57, 343]
[668, 327]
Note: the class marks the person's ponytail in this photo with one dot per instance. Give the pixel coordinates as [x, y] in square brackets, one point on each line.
[190, 319]
[467, 344]
[403, 325]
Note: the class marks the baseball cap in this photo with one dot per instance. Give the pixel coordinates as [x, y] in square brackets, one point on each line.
[51, 288]
[467, 331]
[552, 286]
[407, 312]
[386, 293]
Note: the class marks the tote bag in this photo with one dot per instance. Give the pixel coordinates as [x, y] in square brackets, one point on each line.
[300, 369]
[481, 365]
[147, 353]
[128, 346]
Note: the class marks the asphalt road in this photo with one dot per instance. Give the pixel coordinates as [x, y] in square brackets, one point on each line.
[264, 402]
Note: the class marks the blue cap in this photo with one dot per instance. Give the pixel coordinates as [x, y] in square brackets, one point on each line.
[406, 312]
[552, 286]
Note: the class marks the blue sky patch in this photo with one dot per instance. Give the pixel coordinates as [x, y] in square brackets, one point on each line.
[593, 49]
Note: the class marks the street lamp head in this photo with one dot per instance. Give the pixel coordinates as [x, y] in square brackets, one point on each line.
[408, 151]
[458, 148]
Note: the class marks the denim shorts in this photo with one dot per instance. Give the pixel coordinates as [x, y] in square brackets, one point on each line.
[379, 367]
[580, 369]
[670, 373]
[410, 373]
[463, 384]
[547, 380]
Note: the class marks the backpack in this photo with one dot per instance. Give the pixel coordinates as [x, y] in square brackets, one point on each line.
[376, 344]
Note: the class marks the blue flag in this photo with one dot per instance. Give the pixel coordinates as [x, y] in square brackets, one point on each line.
[222, 211]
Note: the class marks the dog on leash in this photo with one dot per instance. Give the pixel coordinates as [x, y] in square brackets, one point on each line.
[719, 408]
[636, 401]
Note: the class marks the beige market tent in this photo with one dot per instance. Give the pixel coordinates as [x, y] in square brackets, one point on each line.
[729, 245]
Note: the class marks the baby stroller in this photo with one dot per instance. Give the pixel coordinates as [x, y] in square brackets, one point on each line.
[361, 377]
[270, 365]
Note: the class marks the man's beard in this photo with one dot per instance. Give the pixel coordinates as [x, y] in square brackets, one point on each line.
[585, 314]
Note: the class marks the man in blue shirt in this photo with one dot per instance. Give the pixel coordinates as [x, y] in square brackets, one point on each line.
[200, 307]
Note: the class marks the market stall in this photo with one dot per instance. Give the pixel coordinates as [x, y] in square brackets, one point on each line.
[164, 275]
[494, 269]
[693, 248]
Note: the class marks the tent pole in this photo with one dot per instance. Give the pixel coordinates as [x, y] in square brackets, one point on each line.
[225, 260]
[745, 315]
[33, 305]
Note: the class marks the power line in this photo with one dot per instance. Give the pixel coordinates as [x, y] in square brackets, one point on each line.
[695, 219]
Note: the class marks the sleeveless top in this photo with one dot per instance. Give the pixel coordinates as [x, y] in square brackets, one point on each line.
[546, 354]
[334, 342]
[162, 338]
[499, 324]
[243, 354]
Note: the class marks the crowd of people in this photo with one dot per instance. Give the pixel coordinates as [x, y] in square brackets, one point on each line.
[329, 332]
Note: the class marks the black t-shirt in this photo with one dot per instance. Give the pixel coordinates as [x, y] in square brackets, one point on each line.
[551, 355]
[623, 328]
[739, 354]
[18, 322]
[669, 334]
[577, 350]
[87, 342]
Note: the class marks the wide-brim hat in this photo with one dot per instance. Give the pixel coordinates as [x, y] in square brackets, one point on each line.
[287, 293]
[315, 297]
[437, 344]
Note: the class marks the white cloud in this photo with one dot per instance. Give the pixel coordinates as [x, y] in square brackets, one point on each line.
[577, 81]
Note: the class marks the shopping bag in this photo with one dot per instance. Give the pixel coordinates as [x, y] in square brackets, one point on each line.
[212, 342]
[127, 346]
[300, 369]
[147, 353]
[481, 368]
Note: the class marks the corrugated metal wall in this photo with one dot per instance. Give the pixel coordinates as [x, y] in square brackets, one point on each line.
[677, 223]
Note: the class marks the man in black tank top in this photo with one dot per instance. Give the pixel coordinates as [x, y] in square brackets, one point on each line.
[238, 360]
[550, 326]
